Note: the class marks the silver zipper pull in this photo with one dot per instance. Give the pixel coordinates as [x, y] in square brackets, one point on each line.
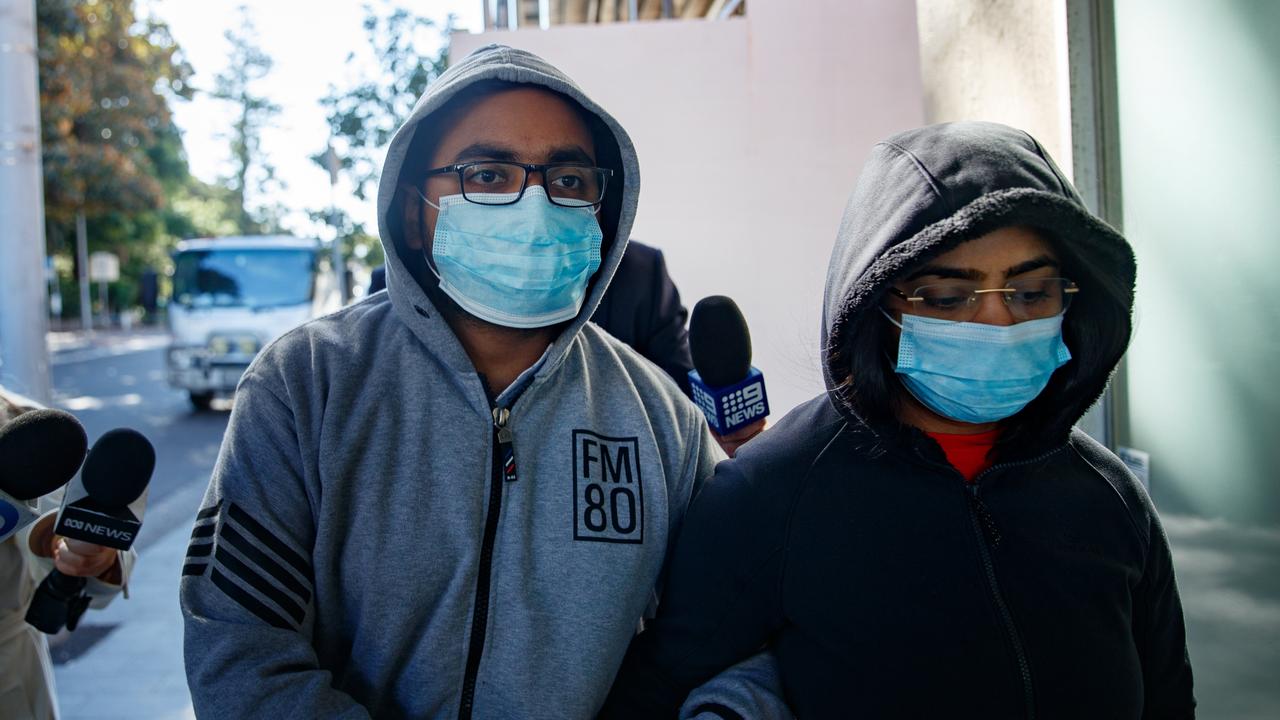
[500, 418]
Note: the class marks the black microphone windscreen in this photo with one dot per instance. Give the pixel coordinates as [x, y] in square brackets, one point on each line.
[719, 341]
[40, 452]
[118, 468]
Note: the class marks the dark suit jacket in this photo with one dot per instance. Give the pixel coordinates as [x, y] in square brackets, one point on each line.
[642, 309]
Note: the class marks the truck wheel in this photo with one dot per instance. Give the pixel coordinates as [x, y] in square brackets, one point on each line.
[201, 400]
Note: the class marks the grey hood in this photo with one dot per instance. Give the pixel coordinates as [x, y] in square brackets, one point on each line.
[925, 191]
[499, 62]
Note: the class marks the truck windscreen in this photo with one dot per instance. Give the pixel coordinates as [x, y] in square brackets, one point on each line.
[244, 278]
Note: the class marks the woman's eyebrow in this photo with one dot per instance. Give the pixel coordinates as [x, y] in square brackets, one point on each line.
[949, 273]
[1032, 264]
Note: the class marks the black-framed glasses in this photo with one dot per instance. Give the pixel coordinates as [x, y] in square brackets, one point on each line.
[503, 183]
[1026, 298]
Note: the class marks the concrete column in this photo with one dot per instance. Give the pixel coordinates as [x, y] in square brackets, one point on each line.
[24, 359]
[998, 60]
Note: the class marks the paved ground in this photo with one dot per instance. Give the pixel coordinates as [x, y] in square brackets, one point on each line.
[126, 661]
[135, 670]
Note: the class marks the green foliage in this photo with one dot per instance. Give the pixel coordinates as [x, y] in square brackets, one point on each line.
[202, 210]
[110, 148]
[356, 241]
[363, 117]
[246, 65]
[105, 78]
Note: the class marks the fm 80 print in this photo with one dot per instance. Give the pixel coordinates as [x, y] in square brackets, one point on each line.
[608, 495]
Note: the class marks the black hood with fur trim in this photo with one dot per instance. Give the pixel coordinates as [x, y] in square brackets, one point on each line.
[925, 191]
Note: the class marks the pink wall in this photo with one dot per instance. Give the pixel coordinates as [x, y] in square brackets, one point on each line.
[751, 133]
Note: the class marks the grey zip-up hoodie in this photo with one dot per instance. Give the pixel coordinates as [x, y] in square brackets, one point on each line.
[362, 550]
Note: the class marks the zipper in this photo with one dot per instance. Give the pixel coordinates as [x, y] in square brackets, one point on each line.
[984, 526]
[977, 513]
[503, 471]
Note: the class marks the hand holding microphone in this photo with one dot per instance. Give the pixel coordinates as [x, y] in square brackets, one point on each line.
[82, 559]
[728, 390]
[103, 509]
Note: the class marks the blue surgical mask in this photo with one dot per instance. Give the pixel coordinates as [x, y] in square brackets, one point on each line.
[524, 265]
[978, 373]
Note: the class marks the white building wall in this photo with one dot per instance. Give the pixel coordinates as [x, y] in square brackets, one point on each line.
[751, 133]
[999, 60]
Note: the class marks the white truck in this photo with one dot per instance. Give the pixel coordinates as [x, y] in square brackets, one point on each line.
[232, 296]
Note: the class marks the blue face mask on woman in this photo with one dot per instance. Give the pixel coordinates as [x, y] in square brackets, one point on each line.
[978, 373]
[524, 265]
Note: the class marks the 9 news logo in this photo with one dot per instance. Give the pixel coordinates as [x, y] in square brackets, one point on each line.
[743, 404]
[704, 401]
[730, 408]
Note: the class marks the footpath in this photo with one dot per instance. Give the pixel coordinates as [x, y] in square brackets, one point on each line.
[124, 662]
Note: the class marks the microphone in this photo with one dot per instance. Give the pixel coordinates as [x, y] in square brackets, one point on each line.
[40, 452]
[728, 390]
[104, 508]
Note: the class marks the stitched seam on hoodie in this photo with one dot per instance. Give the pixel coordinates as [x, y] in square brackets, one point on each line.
[1062, 185]
[780, 549]
[1129, 511]
[924, 172]
[791, 512]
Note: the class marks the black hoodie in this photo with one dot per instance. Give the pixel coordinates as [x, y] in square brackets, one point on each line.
[886, 586]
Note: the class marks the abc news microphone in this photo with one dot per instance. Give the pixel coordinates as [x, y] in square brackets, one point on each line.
[103, 508]
[728, 390]
[40, 452]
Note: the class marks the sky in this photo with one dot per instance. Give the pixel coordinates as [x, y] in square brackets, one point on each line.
[309, 43]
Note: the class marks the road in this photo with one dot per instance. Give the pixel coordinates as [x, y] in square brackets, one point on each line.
[120, 383]
[113, 380]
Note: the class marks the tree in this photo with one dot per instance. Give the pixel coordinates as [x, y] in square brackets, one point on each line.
[110, 150]
[363, 118]
[105, 83]
[247, 65]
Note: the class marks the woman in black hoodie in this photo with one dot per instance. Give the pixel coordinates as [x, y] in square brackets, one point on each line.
[931, 537]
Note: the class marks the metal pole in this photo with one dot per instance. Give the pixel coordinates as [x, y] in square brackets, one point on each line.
[82, 260]
[102, 300]
[728, 9]
[24, 311]
[1095, 162]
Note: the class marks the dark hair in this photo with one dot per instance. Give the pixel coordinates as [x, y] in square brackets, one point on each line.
[426, 138]
[1096, 330]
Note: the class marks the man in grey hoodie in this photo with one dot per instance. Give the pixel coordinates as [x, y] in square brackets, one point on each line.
[454, 499]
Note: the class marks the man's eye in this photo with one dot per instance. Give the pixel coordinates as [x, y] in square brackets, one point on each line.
[569, 182]
[485, 177]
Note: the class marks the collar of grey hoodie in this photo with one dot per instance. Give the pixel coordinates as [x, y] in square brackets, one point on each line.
[411, 304]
